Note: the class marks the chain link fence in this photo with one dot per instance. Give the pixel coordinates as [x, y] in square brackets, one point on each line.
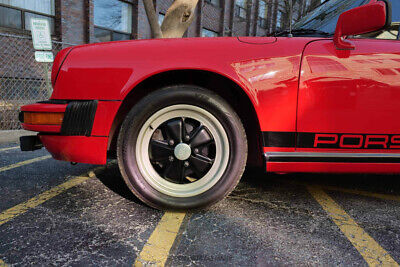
[22, 79]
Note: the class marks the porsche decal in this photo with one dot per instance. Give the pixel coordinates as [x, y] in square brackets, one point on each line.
[331, 140]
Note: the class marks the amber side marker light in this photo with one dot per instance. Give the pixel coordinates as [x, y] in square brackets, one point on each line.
[40, 118]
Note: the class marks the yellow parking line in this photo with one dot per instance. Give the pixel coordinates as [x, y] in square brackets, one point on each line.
[155, 252]
[19, 209]
[8, 148]
[369, 249]
[22, 163]
[362, 193]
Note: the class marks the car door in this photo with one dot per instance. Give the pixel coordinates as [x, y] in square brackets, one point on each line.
[349, 100]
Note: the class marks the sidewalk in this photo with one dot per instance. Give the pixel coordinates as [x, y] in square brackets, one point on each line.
[12, 136]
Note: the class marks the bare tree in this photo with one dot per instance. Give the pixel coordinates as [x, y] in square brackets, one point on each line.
[289, 7]
[177, 20]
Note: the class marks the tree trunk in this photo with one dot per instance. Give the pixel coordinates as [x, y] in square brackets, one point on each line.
[152, 18]
[178, 18]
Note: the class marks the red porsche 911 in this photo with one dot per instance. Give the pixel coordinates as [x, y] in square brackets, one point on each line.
[185, 116]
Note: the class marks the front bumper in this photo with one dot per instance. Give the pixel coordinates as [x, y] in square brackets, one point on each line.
[81, 137]
[78, 117]
[91, 150]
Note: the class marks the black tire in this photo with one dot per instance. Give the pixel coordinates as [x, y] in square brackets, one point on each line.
[162, 99]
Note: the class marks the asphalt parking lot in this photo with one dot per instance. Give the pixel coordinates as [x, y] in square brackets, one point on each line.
[53, 213]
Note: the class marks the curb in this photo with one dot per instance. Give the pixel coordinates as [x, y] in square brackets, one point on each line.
[12, 136]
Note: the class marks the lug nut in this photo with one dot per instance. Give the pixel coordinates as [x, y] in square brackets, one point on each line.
[187, 137]
[171, 142]
[186, 164]
[171, 158]
[196, 150]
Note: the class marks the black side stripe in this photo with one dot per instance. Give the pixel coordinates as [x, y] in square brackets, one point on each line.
[331, 140]
[333, 157]
[279, 139]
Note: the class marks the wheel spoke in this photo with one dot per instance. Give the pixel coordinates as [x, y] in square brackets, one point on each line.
[160, 150]
[174, 130]
[182, 173]
[200, 137]
[175, 171]
[184, 133]
[200, 164]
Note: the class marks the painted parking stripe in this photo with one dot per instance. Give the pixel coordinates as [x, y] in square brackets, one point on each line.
[19, 209]
[23, 163]
[155, 252]
[369, 249]
[8, 148]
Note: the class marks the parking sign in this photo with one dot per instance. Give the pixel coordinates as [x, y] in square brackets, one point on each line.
[41, 34]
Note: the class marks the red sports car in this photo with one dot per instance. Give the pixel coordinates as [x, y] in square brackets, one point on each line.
[185, 116]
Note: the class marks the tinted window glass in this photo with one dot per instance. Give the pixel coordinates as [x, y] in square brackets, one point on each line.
[42, 6]
[208, 33]
[113, 14]
[102, 35]
[120, 36]
[10, 18]
[213, 2]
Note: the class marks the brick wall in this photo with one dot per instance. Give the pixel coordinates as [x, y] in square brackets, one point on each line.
[74, 19]
[212, 17]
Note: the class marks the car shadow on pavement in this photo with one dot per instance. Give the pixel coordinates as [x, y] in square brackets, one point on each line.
[376, 183]
[111, 177]
[262, 182]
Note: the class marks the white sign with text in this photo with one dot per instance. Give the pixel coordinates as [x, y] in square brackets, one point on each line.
[41, 34]
[44, 56]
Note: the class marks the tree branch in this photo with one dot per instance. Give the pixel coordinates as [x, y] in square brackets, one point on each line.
[152, 17]
[178, 18]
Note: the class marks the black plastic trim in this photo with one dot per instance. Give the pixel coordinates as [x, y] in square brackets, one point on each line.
[78, 118]
[279, 139]
[54, 101]
[21, 116]
[30, 143]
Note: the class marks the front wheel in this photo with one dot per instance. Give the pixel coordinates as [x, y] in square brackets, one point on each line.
[182, 147]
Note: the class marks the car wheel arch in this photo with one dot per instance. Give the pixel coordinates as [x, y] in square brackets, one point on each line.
[223, 86]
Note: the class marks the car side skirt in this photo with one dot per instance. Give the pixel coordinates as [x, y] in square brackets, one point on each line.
[332, 162]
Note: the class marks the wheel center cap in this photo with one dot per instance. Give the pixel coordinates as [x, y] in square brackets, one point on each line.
[182, 151]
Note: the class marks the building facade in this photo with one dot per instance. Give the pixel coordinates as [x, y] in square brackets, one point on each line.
[88, 21]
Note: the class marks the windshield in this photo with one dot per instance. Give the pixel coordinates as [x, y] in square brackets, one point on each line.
[325, 17]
